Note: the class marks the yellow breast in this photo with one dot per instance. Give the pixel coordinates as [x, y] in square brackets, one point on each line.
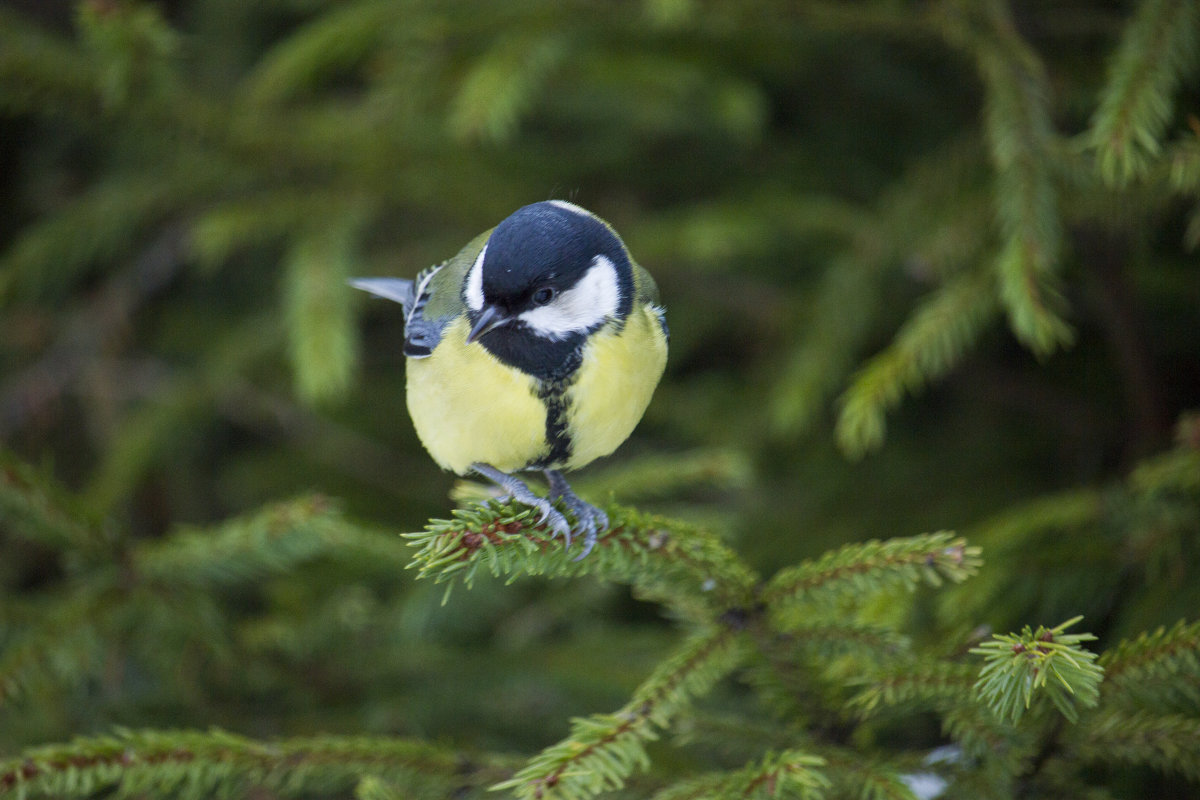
[614, 385]
[467, 406]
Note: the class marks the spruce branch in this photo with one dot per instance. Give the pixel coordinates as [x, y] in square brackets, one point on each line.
[1184, 160]
[1047, 660]
[1169, 743]
[1157, 52]
[1163, 662]
[856, 570]
[982, 735]
[1066, 510]
[74, 634]
[1022, 143]
[791, 773]
[1030, 294]
[197, 764]
[853, 775]
[65, 646]
[318, 309]
[132, 47]
[373, 788]
[1175, 471]
[792, 668]
[665, 559]
[268, 542]
[732, 737]
[331, 43]
[715, 232]
[144, 436]
[33, 507]
[824, 354]
[827, 640]
[264, 217]
[913, 684]
[602, 750]
[930, 343]
[946, 240]
[502, 84]
[48, 257]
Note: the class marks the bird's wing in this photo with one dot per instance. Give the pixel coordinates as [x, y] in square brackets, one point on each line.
[437, 299]
[430, 300]
[646, 293]
[412, 297]
[421, 333]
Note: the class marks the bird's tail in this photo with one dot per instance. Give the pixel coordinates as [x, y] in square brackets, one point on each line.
[399, 290]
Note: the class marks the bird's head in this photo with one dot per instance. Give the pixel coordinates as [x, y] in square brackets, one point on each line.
[551, 271]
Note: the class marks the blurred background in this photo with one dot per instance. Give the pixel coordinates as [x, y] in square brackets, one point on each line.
[912, 279]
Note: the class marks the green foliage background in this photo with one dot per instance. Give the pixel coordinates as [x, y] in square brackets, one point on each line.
[928, 265]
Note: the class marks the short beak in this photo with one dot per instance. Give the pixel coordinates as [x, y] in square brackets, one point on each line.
[489, 319]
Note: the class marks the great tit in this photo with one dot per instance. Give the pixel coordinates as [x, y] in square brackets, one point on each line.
[537, 347]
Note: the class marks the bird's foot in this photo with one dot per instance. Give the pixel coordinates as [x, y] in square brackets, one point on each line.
[517, 489]
[591, 519]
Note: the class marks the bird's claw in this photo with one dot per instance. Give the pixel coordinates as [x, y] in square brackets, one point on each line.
[591, 520]
[516, 489]
[553, 519]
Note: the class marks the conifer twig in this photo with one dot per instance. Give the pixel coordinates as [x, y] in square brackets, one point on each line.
[853, 773]
[318, 310]
[930, 343]
[65, 644]
[910, 682]
[664, 558]
[791, 773]
[603, 749]
[1184, 172]
[1153, 663]
[1157, 51]
[982, 734]
[155, 763]
[1166, 742]
[1048, 660]
[858, 569]
[823, 358]
[324, 47]
[1021, 140]
[501, 84]
[32, 506]
[269, 541]
[949, 241]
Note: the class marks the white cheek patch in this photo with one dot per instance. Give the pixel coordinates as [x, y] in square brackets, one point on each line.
[584, 306]
[474, 289]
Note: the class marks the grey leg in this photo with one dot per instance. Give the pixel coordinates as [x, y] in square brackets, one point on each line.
[591, 519]
[522, 493]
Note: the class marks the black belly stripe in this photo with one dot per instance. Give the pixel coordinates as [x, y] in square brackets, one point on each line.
[557, 436]
[554, 363]
[553, 393]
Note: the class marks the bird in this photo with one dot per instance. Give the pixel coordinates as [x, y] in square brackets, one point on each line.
[536, 348]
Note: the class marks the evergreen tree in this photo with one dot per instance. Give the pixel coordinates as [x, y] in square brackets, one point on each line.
[927, 265]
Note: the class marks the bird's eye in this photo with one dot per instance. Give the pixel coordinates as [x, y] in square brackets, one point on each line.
[544, 295]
